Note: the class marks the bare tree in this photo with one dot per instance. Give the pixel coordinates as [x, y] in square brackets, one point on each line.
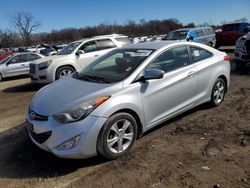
[25, 23]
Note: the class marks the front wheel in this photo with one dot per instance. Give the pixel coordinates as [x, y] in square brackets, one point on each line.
[64, 71]
[218, 92]
[117, 136]
[1, 78]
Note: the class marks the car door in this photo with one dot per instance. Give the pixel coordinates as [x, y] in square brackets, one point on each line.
[88, 53]
[202, 60]
[201, 38]
[175, 92]
[16, 65]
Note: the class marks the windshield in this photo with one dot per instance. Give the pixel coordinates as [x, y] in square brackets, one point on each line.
[69, 49]
[176, 35]
[5, 59]
[114, 66]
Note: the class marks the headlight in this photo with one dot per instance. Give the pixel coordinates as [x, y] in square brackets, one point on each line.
[79, 112]
[44, 65]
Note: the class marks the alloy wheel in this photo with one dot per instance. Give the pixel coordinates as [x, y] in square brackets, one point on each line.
[120, 136]
[219, 91]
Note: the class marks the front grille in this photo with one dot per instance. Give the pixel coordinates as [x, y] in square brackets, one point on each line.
[245, 57]
[43, 77]
[32, 69]
[32, 78]
[42, 137]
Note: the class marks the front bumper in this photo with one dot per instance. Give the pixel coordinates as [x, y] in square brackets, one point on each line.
[40, 76]
[242, 56]
[48, 135]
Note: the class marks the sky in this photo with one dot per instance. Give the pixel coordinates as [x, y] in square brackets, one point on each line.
[59, 14]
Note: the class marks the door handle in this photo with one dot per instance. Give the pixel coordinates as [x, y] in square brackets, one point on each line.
[96, 55]
[191, 73]
[23, 65]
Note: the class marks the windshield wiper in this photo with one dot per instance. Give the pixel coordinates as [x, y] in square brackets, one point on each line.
[92, 78]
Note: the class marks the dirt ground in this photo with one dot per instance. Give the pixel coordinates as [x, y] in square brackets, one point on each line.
[205, 147]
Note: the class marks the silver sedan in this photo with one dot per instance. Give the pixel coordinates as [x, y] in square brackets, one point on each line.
[17, 64]
[103, 108]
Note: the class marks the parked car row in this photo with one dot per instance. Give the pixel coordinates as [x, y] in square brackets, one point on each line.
[78, 54]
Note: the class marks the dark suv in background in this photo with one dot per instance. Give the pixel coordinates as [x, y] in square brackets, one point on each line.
[242, 51]
[230, 33]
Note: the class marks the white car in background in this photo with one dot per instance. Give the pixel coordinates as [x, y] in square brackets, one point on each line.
[75, 56]
[17, 64]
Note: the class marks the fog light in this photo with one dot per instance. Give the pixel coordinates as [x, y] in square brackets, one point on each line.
[69, 144]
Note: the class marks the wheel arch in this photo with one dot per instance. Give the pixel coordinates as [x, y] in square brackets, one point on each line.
[136, 117]
[64, 65]
[224, 78]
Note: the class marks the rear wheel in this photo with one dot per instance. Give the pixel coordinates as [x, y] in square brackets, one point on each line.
[217, 45]
[64, 71]
[117, 136]
[210, 44]
[218, 92]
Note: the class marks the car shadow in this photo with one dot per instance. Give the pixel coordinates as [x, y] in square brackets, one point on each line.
[28, 87]
[15, 78]
[20, 158]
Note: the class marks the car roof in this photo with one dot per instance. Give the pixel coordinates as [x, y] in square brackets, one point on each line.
[150, 45]
[102, 36]
[193, 28]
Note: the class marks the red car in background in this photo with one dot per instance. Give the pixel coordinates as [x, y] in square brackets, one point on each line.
[230, 33]
[5, 53]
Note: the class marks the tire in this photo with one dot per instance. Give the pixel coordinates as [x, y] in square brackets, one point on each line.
[217, 45]
[64, 71]
[210, 44]
[117, 136]
[218, 92]
[1, 78]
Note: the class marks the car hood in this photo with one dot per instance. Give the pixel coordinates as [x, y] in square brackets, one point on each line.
[67, 93]
[53, 58]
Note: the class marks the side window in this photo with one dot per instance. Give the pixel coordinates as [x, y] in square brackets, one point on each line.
[18, 59]
[32, 57]
[105, 44]
[89, 47]
[200, 33]
[171, 59]
[199, 54]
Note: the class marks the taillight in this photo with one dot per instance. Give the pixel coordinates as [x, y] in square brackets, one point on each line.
[228, 58]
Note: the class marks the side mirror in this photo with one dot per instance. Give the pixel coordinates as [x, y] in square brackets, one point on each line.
[151, 74]
[190, 38]
[79, 52]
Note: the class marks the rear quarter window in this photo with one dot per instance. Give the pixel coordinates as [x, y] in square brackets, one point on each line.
[199, 54]
[105, 44]
[123, 40]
